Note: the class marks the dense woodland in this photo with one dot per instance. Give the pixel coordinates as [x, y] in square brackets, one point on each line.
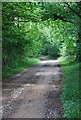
[32, 29]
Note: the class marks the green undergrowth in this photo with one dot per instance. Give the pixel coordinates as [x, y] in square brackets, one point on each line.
[70, 89]
[19, 66]
[67, 60]
[49, 57]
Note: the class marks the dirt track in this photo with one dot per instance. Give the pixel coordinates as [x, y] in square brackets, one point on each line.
[34, 93]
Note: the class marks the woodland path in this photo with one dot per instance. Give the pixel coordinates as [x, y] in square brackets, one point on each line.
[34, 93]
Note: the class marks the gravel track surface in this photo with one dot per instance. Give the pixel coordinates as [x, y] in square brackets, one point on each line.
[33, 93]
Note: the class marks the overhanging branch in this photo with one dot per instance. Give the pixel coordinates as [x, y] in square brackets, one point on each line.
[73, 10]
[62, 18]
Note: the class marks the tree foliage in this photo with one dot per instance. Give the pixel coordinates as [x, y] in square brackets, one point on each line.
[32, 29]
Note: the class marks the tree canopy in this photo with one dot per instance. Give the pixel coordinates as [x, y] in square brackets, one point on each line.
[36, 28]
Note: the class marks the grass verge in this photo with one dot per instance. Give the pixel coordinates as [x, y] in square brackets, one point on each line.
[70, 90]
[20, 66]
